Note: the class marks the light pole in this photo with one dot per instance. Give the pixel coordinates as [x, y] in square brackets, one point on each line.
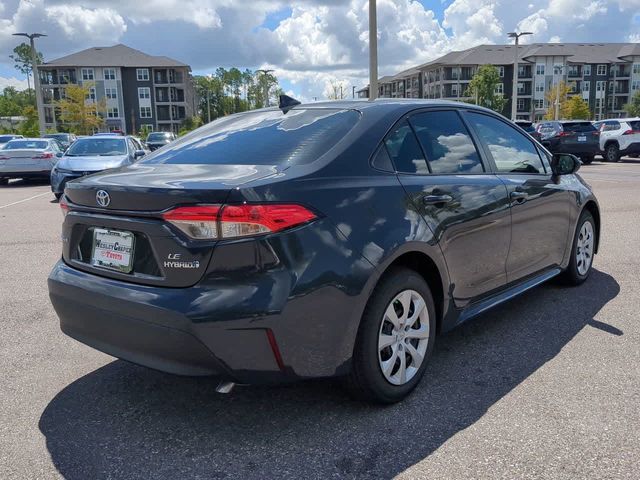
[557, 70]
[373, 51]
[353, 91]
[514, 93]
[265, 72]
[36, 77]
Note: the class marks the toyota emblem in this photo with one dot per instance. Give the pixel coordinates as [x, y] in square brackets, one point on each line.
[103, 198]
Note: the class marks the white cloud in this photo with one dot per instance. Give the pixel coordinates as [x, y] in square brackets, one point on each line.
[12, 82]
[75, 20]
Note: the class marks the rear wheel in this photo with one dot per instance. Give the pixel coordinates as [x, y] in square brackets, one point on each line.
[395, 338]
[582, 251]
[586, 159]
[612, 152]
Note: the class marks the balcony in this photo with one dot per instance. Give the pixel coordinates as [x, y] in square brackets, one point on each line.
[525, 71]
[167, 76]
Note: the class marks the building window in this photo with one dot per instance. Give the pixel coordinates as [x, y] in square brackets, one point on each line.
[600, 86]
[145, 112]
[573, 87]
[520, 105]
[501, 71]
[87, 73]
[109, 73]
[602, 70]
[599, 102]
[111, 93]
[113, 112]
[142, 74]
[144, 92]
[635, 85]
[539, 103]
[499, 89]
[539, 86]
[586, 86]
[586, 70]
[454, 90]
[540, 69]
[636, 68]
[91, 96]
[520, 88]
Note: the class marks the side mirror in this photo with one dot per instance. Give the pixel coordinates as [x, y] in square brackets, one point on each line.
[139, 153]
[565, 164]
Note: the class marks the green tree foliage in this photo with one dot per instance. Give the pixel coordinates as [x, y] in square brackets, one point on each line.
[22, 58]
[189, 123]
[557, 93]
[482, 89]
[575, 108]
[233, 91]
[79, 114]
[633, 107]
[29, 128]
[13, 102]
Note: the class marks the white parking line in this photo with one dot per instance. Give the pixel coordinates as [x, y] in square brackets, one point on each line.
[24, 200]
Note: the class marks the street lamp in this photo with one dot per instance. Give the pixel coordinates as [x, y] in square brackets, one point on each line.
[514, 93]
[373, 51]
[266, 84]
[36, 77]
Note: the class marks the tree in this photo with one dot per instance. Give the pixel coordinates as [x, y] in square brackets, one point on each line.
[482, 88]
[575, 108]
[189, 123]
[557, 93]
[633, 107]
[22, 58]
[29, 127]
[80, 114]
[12, 102]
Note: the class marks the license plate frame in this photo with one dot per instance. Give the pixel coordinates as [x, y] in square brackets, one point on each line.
[582, 138]
[113, 249]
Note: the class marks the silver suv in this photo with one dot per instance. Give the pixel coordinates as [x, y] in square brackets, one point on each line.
[619, 137]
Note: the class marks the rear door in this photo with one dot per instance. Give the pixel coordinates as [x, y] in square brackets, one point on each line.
[540, 203]
[465, 206]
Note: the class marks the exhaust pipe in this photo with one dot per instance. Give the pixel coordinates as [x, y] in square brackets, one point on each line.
[225, 387]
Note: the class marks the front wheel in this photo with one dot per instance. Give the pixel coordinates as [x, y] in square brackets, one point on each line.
[395, 339]
[612, 153]
[583, 249]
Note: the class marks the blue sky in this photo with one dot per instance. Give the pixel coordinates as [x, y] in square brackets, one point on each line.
[312, 44]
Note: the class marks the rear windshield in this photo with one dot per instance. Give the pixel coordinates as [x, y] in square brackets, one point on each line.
[547, 127]
[578, 127]
[28, 144]
[100, 146]
[158, 136]
[267, 137]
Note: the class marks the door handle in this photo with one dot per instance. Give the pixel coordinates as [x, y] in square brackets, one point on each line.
[437, 199]
[519, 197]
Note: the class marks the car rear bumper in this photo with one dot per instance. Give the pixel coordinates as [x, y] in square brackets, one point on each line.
[60, 179]
[15, 172]
[574, 149]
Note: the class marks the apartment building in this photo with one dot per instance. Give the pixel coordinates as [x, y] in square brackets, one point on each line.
[606, 75]
[139, 90]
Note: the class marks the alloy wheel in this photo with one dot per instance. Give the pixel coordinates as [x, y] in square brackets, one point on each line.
[403, 337]
[584, 248]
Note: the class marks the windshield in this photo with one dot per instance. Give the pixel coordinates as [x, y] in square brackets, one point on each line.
[267, 137]
[154, 137]
[98, 146]
[578, 127]
[26, 144]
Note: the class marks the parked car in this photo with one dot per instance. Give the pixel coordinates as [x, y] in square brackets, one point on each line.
[156, 140]
[140, 144]
[528, 127]
[4, 139]
[329, 239]
[618, 138]
[28, 158]
[93, 154]
[65, 139]
[578, 137]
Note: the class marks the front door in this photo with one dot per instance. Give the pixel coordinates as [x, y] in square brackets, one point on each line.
[540, 206]
[466, 207]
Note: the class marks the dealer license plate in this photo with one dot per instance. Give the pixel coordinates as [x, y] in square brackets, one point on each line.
[113, 249]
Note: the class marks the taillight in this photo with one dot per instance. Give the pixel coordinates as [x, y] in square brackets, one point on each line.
[563, 134]
[43, 156]
[206, 222]
[596, 133]
[64, 206]
[631, 132]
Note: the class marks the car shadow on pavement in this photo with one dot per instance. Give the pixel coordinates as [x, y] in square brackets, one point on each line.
[124, 421]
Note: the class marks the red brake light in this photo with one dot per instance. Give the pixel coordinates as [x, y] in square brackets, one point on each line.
[563, 134]
[631, 132]
[64, 206]
[43, 156]
[233, 221]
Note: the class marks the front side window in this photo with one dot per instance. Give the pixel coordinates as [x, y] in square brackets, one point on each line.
[142, 74]
[446, 143]
[261, 138]
[512, 152]
[405, 151]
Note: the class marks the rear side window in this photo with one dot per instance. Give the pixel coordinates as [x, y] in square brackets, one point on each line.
[511, 151]
[405, 151]
[635, 125]
[261, 138]
[446, 143]
[579, 127]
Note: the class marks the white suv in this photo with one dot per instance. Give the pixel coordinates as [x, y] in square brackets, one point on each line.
[619, 137]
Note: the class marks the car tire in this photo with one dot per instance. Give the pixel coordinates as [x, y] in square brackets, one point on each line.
[397, 297]
[587, 159]
[582, 250]
[612, 153]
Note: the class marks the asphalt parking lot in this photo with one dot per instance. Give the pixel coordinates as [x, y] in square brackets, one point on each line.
[547, 386]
